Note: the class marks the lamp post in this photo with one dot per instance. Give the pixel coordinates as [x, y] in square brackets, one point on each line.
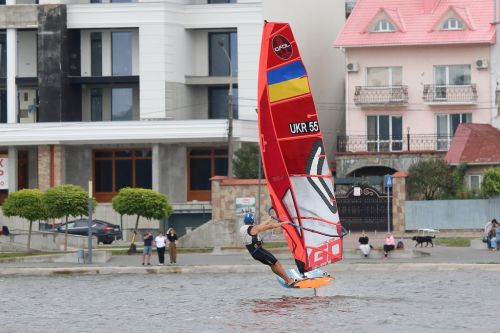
[229, 114]
[90, 223]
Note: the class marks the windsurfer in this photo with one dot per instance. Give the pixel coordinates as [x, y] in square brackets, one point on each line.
[253, 242]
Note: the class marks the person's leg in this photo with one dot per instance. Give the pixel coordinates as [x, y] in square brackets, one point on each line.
[161, 254]
[170, 252]
[493, 243]
[278, 269]
[174, 253]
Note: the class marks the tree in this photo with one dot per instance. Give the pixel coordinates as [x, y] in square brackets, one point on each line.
[27, 204]
[431, 179]
[141, 202]
[491, 183]
[246, 162]
[67, 200]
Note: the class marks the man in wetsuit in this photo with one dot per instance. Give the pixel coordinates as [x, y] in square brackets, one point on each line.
[253, 242]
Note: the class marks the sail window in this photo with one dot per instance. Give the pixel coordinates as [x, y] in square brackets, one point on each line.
[453, 24]
[383, 26]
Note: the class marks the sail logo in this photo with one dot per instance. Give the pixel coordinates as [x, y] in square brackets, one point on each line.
[325, 253]
[282, 47]
[304, 127]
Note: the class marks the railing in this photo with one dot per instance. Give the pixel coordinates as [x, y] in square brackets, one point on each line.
[373, 143]
[445, 94]
[381, 96]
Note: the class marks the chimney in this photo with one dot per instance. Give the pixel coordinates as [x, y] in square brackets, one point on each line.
[429, 5]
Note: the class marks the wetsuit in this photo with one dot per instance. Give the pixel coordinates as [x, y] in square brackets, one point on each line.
[253, 244]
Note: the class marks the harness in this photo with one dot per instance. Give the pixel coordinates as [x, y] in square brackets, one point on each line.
[256, 244]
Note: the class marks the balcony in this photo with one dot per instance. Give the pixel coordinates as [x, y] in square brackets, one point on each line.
[435, 94]
[369, 96]
[387, 144]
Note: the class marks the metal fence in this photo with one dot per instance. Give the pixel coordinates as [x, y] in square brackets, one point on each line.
[394, 143]
[451, 214]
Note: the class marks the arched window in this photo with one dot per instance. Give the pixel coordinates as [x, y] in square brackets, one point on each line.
[453, 24]
[383, 26]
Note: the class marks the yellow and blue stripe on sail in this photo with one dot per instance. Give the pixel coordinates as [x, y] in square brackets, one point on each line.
[287, 81]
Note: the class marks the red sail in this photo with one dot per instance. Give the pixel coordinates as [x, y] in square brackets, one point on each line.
[294, 159]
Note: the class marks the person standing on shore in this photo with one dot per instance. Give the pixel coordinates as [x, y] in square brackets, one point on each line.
[160, 242]
[148, 247]
[172, 245]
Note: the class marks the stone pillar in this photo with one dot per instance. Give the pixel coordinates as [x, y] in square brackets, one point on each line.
[12, 169]
[156, 167]
[398, 201]
[50, 166]
[216, 197]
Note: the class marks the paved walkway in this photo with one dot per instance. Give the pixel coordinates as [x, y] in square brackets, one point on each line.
[441, 257]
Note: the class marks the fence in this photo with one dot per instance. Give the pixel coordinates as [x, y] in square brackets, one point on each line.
[451, 214]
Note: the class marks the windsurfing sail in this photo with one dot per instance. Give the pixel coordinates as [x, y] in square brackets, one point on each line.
[298, 178]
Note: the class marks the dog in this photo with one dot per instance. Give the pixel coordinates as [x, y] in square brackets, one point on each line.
[423, 239]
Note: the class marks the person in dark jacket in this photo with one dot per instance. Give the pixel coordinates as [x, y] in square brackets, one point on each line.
[364, 246]
[172, 245]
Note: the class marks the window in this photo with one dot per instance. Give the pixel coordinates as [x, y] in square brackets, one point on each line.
[453, 24]
[475, 182]
[3, 56]
[383, 26]
[450, 75]
[96, 53]
[221, 1]
[3, 106]
[384, 76]
[121, 104]
[447, 125]
[384, 133]
[96, 104]
[217, 102]
[120, 1]
[121, 53]
[95, 1]
[116, 169]
[218, 61]
[203, 164]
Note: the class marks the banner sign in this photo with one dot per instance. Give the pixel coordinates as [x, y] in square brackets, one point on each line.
[245, 205]
[4, 179]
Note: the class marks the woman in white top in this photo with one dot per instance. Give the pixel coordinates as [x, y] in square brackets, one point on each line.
[160, 242]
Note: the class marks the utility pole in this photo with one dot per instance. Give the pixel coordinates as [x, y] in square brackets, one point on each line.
[229, 114]
[90, 224]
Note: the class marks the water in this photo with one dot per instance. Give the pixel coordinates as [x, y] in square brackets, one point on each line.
[438, 301]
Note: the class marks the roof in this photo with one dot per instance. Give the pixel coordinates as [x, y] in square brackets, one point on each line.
[475, 144]
[417, 23]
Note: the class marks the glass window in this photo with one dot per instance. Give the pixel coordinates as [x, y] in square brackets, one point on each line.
[3, 55]
[95, 1]
[3, 106]
[121, 168]
[202, 167]
[121, 53]
[218, 60]
[96, 53]
[453, 24]
[475, 182]
[446, 125]
[384, 133]
[200, 173]
[217, 102]
[384, 76]
[120, 1]
[452, 75]
[96, 104]
[121, 104]
[383, 26]
[221, 1]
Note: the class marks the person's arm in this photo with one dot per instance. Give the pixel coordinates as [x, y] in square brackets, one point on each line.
[265, 226]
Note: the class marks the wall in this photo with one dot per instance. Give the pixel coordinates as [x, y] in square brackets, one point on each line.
[451, 214]
[417, 63]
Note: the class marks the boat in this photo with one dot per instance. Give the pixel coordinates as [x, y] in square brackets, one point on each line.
[296, 169]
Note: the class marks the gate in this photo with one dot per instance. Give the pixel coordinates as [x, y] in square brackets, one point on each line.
[368, 211]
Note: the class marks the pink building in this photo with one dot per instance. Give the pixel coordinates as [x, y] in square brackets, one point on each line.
[416, 69]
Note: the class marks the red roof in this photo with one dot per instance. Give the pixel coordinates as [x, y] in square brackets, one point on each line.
[475, 144]
[416, 24]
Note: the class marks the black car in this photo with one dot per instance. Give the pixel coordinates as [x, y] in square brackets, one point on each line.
[105, 232]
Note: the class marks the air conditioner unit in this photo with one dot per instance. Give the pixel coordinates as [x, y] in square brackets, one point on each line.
[482, 63]
[352, 67]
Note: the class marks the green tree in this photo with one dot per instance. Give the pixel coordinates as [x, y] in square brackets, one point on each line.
[67, 200]
[246, 161]
[27, 204]
[141, 202]
[491, 183]
[431, 179]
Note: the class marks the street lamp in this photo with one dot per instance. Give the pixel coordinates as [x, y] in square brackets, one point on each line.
[229, 114]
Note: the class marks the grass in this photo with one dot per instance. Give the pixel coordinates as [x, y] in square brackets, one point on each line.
[4, 255]
[454, 242]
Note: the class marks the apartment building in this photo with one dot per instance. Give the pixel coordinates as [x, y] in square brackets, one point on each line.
[135, 93]
[415, 71]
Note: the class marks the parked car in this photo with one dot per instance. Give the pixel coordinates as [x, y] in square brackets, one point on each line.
[105, 232]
